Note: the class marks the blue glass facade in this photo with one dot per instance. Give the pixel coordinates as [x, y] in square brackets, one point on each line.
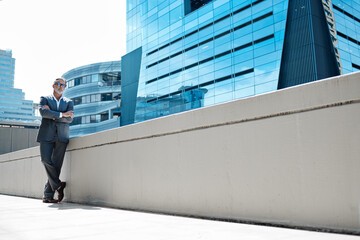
[347, 22]
[13, 106]
[224, 50]
[199, 53]
[96, 92]
[7, 68]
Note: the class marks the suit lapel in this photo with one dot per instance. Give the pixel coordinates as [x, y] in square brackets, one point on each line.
[52, 103]
[62, 105]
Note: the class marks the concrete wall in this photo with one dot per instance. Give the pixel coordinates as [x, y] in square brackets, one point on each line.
[290, 157]
[14, 138]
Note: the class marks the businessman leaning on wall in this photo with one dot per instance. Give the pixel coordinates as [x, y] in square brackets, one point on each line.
[57, 113]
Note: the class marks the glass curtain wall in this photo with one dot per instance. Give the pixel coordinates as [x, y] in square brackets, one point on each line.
[96, 92]
[223, 50]
[13, 106]
[347, 21]
[198, 53]
[7, 68]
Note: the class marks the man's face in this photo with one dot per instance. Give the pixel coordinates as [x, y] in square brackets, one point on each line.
[59, 86]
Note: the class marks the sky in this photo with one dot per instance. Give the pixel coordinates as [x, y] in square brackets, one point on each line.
[50, 37]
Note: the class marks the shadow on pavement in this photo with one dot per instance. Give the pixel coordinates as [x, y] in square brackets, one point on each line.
[71, 206]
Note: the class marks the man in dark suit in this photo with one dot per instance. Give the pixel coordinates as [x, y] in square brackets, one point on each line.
[56, 112]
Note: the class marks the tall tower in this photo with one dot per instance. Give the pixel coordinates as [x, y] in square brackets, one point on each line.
[7, 68]
[308, 52]
[231, 49]
[13, 106]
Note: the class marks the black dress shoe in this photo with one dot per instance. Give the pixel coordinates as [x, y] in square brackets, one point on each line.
[49, 200]
[60, 191]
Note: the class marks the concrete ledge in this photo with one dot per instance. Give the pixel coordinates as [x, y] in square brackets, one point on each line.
[286, 101]
[289, 158]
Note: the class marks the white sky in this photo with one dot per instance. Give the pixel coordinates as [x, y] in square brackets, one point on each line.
[51, 37]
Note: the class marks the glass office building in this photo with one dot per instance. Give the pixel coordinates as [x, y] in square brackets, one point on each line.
[7, 69]
[96, 92]
[13, 106]
[186, 54]
[347, 22]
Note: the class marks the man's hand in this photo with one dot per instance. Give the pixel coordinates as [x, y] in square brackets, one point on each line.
[68, 114]
[45, 107]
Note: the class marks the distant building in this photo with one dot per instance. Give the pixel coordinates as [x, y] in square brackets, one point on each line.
[185, 54]
[13, 106]
[7, 69]
[37, 114]
[96, 92]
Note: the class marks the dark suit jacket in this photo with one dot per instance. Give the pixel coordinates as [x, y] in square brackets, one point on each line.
[52, 126]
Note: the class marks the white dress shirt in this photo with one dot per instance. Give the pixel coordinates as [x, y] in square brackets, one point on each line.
[58, 104]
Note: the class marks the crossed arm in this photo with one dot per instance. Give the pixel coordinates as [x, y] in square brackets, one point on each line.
[64, 114]
[46, 112]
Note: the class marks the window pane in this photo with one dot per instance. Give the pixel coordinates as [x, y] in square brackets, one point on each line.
[94, 78]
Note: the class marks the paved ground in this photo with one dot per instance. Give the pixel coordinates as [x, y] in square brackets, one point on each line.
[27, 219]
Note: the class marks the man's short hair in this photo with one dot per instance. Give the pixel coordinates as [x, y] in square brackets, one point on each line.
[60, 78]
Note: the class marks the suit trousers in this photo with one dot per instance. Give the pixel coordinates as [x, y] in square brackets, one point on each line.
[52, 156]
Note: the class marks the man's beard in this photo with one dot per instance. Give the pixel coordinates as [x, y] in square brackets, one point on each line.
[58, 91]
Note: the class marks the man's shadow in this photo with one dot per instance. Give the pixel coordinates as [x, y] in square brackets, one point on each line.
[71, 206]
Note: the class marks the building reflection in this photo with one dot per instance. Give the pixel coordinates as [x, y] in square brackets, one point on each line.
[187, 98]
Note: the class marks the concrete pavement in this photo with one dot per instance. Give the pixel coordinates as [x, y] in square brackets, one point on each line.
[30, 219]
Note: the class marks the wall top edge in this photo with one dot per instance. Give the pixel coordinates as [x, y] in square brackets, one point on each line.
[331, 92]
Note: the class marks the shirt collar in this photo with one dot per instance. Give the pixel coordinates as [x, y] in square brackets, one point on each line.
[56, 98]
